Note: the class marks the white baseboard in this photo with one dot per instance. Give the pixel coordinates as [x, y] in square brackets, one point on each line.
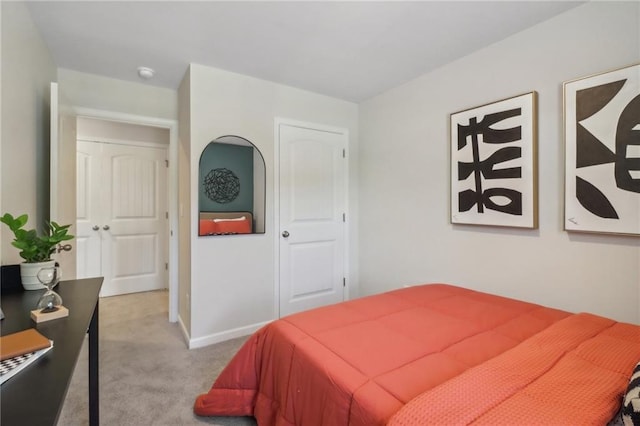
[225, 335]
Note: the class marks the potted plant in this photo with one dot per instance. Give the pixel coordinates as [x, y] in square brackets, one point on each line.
[36, 250]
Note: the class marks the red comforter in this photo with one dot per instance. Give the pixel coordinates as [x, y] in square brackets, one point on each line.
[448, 355]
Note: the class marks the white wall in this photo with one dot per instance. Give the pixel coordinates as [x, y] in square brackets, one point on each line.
[27, 71]
[108, 94]
[232, 278]
[405, 234]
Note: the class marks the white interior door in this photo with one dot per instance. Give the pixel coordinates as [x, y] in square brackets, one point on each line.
[312, 188]
[62, 191]
[88, 215]
[126, 209]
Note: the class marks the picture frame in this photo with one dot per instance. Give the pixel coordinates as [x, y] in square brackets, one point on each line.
[494, 166]
[602, 152]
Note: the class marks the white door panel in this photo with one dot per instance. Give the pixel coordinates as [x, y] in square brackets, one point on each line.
[88, 239]
[310, 166]
[136, 237]
[131, 217]
[310, 276]
[312, 204]
[87, 266]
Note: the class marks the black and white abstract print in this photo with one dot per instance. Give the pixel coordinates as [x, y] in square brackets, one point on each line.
[602, 137]
[493, 164]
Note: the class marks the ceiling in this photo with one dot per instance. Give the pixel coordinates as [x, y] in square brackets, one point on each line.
[349, 50]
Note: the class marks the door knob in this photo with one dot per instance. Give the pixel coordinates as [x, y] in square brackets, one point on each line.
[95, 227]
[66, 247]
[285, 234]
[106, 227]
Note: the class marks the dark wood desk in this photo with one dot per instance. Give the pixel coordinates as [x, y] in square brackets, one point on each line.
[35, 395]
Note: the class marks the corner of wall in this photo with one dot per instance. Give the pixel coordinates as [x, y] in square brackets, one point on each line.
[184, 200]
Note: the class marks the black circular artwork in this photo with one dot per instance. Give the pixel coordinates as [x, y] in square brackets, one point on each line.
[221, 185]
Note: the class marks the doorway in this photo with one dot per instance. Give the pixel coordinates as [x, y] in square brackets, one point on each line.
[63, 178]
[122, 215]
[312, 184]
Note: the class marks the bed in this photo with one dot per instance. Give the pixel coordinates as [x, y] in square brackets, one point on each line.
[429, 354]
[225, 223]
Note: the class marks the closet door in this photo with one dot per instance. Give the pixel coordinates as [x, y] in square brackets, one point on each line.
[125, 209]
[134, 225]
[88, 236]
[312, 195]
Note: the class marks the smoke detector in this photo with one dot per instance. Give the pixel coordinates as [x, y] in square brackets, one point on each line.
[145, 73]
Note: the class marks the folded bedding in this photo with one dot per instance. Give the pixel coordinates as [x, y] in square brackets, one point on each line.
[430, 354]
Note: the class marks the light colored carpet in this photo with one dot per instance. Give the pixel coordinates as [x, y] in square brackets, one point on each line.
[147, 375]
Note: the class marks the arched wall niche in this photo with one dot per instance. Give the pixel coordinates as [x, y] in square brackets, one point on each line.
[231, 188]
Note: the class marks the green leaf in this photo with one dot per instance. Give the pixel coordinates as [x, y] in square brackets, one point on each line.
[34, 248]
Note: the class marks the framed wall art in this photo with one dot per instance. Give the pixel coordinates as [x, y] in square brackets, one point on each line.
[602, 152]
[494, 164]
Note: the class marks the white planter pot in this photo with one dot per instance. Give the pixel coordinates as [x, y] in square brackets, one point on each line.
[29, 274]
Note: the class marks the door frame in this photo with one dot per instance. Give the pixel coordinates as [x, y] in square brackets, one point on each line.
[278, 121]
[172, 179]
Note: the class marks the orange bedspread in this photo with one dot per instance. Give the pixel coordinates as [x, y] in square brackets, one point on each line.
[572, 373]
[359, 362]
